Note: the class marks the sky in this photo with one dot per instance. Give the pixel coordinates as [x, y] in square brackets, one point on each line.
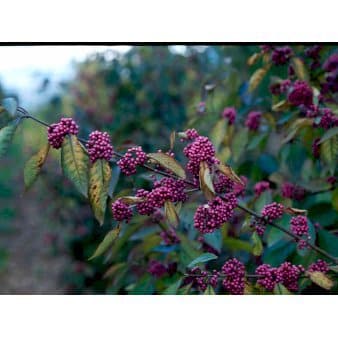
[23, 68]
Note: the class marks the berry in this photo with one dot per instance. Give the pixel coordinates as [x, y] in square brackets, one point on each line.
[211, 216]
[171, 188]
[259, 225]
[201, 149]
[121, 211]
[331, 64]
[99, 146]
[239, 189]
[289, 275]
[300, 227]
[230, 114]
[234, 282]
[201, 279]
[316, 148]
[313, 51]
[146, 207]
[58, 131]
[260, 187]
[332, 180]
[156, 268]
[292, 191]
[222, 183]
[320, 266]
[132, 158]
[301, 94]
[281, 55]
[265, 48]
[269, 276]
[328, 119]
[273, 211]
[191, 134]
[169, 237]
[253, 120]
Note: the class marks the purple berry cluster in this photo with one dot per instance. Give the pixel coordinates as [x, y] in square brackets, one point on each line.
[300, 94]
[58, 131]
[319, 265]
[253, 120]
[281, 55]
[211, 216]
[290, 274]
[281, 87]
[234, 281]
[190, 135]
[292, 191]
[260, 187]
[166, 189]
[121, 211]
[169, 237]
[132, 158]
[222, 183]
[259, 225]
[269, 276]
[239, 189]
[99, 146]
[273, 211]
[331, 64]
[316, 148]
[157, 269]
[328, 119]
[201, 149]
[200, 279]
[229, 113]
[300, 227]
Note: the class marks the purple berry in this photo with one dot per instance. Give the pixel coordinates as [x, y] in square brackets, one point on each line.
[234, 281]
[273, 211]
[58, 131]
[132, 158]
[99, 146]
[121, 211]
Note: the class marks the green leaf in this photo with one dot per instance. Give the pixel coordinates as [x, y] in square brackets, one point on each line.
[328, 242]
[335, 199]
[168, 162]
[6, 137]
[239, 142]
[218, 132]
[329, 152]
[321, 280]
[329, 134]
[334, 268]
[113, 181]
[74, 163]
[280, 289]
[257, 244]
[237, 244]
[171, 214]
[281, 106]
[172, 289]
[295, 128]
[209, 291]
[106, 243]
[33, 166]
[99, 178]
[206, 257]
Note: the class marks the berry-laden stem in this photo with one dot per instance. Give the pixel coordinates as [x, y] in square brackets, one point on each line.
[240, 206]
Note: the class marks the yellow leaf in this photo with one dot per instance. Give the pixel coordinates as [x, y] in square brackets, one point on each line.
[172, 139]
[257, 248]
[132, 199]
[294, 211]
[74, 163]
[295, 127]
[206, 181]
[99, 178]
[228, 172]
[257, 78]
[33, 166]
[321, 280]
[299, 68]
[253, 59]
[168, 162]
[171, 214]
[281, 106]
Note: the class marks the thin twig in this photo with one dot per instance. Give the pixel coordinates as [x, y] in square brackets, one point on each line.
[240, 206]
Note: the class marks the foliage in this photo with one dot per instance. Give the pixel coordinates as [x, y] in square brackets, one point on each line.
[152, 97]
